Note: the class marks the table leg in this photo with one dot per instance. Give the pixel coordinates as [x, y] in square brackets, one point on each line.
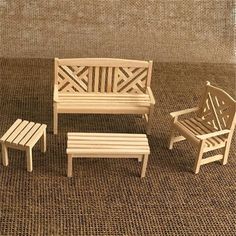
[29, 159]
[69, 167]
[145, 160]
[4, 155]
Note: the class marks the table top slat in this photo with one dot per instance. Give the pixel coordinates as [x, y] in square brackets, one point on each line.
[11, 129]
[17, 131]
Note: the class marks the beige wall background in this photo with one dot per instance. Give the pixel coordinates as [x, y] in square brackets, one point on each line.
[162, 30]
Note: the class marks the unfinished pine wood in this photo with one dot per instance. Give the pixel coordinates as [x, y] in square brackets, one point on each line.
[211, 127]
[102, 86]
[107, 145]
[23, 135]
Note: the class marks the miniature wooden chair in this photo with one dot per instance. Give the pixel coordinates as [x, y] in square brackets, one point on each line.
[211, 128]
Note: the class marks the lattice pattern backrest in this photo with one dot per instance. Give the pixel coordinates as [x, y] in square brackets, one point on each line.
[118, 79]
[218, 108]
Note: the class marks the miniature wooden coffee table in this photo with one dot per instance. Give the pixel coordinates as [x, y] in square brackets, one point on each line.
[23, 135]
[107, 145]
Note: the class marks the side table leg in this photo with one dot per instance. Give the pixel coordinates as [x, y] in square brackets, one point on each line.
[29, 159]
[145, 160]
[69, 167]
[4, 155]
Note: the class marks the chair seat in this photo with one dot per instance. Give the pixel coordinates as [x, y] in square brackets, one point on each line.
[197, 126]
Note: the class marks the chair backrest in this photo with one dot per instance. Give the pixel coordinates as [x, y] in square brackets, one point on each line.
[217, 108]
[105, 75]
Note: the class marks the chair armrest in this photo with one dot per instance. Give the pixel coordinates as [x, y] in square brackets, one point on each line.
[182, 112]
[150, 93]
[55, 93]
[214, 134]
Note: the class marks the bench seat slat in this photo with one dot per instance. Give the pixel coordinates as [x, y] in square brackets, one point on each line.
[103, 99]
[102, 96]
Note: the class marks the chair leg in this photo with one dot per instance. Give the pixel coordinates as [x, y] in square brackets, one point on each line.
[149, 120]
[43, 142]
[29, 159]
[226, 153]
[172, 136]
[4, 155]
[199, 157]
[144, 167]
[55, 119]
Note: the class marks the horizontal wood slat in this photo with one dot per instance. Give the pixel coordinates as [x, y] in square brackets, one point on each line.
[11, 129]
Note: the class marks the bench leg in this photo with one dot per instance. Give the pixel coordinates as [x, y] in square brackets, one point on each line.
[145, 160]
[149, 120]
[43, 142]
[4, 155]
[69, 167]
[29, 159]
[55, 119]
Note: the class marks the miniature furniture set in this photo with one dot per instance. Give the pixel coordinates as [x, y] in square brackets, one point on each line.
[23, 135]
[107, 145]
[210, 128]
[117, 86]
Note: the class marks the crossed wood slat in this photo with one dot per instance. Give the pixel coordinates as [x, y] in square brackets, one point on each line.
[216, 111]
[102, 79]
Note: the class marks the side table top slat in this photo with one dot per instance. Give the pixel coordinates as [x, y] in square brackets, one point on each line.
[23, 132]
[31, 142]
[17, 131]
[11, 129]
[29, 134]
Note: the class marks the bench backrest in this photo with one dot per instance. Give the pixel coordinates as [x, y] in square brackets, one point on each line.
[218, 108]
[105, 75]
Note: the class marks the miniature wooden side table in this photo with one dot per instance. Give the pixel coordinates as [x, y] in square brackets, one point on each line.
[23, 135]
[107, 145]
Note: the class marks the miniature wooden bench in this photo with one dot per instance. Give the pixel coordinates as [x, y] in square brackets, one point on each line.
[103, 86]
[23, 135]
[107, 145]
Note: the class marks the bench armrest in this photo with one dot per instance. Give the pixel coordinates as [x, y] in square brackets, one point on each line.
[55, 93]
[183, 112]
[214, 134]
[150, 93]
